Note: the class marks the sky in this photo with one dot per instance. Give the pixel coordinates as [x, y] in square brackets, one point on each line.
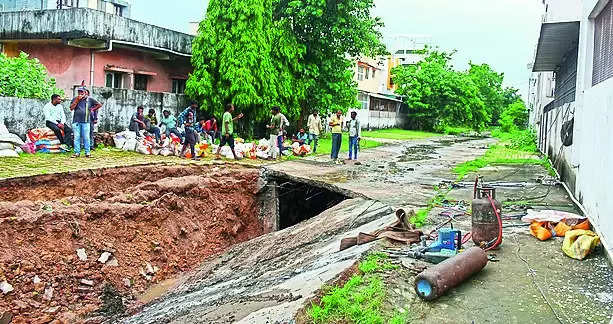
[501, 33]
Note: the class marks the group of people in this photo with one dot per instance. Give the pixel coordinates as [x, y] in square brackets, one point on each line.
[80, 134]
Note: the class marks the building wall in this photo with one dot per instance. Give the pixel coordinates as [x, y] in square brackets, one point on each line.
[20, 115]
[102, 5]
[562, 10]
[138, 61]
[369, 83]
[71, 65]
[585, 166]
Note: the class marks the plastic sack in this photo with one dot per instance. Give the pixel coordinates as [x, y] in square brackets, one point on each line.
[8, 153]
[11, 138]
[3, 129]
[6, 146]
[29, 148]
[541, 230]
[130, 145]
[578, 244]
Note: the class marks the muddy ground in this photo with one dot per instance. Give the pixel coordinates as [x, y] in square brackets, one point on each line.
[153, 223]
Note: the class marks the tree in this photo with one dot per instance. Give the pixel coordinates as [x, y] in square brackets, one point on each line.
[235, 61]
[331, 31]
[491, 92]
[438, 96]
[23, 77]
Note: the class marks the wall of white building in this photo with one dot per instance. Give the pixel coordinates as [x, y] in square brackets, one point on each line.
[586, 165]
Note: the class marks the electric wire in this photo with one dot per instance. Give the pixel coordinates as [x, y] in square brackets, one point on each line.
[534, 281]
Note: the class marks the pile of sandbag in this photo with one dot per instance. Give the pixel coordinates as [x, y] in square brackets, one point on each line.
[10, 144]
[42, 140]
[301, 150]
[145, 144]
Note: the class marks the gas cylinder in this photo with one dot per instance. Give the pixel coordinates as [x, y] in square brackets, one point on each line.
[484, 220]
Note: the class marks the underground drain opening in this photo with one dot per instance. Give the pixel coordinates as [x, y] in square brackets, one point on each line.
[299, 201]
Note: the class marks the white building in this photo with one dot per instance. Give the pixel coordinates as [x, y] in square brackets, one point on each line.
[572, 86]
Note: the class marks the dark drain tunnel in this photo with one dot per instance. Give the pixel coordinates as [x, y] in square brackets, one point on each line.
[299, 201]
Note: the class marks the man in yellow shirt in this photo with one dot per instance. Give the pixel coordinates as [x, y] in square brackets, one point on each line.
[336, 122]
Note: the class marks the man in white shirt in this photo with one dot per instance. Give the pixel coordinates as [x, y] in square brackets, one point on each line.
[355, 132]
[314, 125]
[55, 119]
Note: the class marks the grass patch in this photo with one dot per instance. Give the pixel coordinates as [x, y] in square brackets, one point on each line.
[421, 216]
[515, 147]
[324, 146]
[398, 134]
[360, 299]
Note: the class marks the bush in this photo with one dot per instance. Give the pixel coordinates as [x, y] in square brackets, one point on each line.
[515, 116]
[23, 77]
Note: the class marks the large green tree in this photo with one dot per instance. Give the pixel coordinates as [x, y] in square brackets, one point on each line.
[331, 31]
[241, 56]
[439, 96]
[490, 87]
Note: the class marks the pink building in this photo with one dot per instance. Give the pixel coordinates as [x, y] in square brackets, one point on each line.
[104, 50]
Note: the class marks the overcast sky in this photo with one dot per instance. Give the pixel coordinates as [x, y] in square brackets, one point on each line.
[502, 33]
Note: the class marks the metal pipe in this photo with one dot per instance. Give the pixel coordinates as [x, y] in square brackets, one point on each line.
[91, 69]
[437, 280]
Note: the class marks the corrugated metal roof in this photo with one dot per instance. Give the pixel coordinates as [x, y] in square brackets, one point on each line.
[555, 41]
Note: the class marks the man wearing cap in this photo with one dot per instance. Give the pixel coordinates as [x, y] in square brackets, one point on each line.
[82, 106]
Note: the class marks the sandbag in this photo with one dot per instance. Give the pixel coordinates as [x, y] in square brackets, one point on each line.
[11, 138]
[6, 146]
[578, 244]
[8, 153]
[130, 145]
[3, 129]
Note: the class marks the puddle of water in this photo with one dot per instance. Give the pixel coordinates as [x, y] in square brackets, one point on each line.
[156, 291]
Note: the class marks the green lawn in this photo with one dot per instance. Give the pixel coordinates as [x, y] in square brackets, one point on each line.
[398, 134]
[40, 163]
[324, 147]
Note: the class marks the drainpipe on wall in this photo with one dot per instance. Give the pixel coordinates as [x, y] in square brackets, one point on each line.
[91, 70]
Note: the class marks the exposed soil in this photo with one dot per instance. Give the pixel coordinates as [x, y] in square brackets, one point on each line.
[156, 222]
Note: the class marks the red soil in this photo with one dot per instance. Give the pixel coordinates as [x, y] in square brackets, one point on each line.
[170, 217]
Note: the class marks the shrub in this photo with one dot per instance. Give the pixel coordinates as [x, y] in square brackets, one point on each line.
[23, 77]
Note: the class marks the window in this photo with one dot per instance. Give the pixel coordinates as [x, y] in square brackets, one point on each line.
[67, 3]
[367, 74]
[178, 85]
[114, 80]
[118, 10]
[360, 73]
[363, 99]
[373, 73]
[603, 43]
[140, 82]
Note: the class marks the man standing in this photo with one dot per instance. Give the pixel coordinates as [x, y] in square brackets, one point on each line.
[227, 130]
[55, 119]
[170, 122]
[82, 106]
[190, 136]
[355, 132]
[336, 122]
[193, 108]
[275, 126]
[92, 123]
[314, 125]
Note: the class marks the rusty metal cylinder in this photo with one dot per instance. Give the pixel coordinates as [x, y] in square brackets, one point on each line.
[484, 221]
[437, 280]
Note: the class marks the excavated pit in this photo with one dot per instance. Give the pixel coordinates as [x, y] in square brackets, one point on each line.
[156, 222]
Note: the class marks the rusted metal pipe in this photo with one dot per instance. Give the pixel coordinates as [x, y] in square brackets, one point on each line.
[437, 280]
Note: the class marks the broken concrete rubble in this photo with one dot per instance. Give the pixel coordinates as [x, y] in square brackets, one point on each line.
[87, 282]
[82, 254]
[104, 257]
[6, 287]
